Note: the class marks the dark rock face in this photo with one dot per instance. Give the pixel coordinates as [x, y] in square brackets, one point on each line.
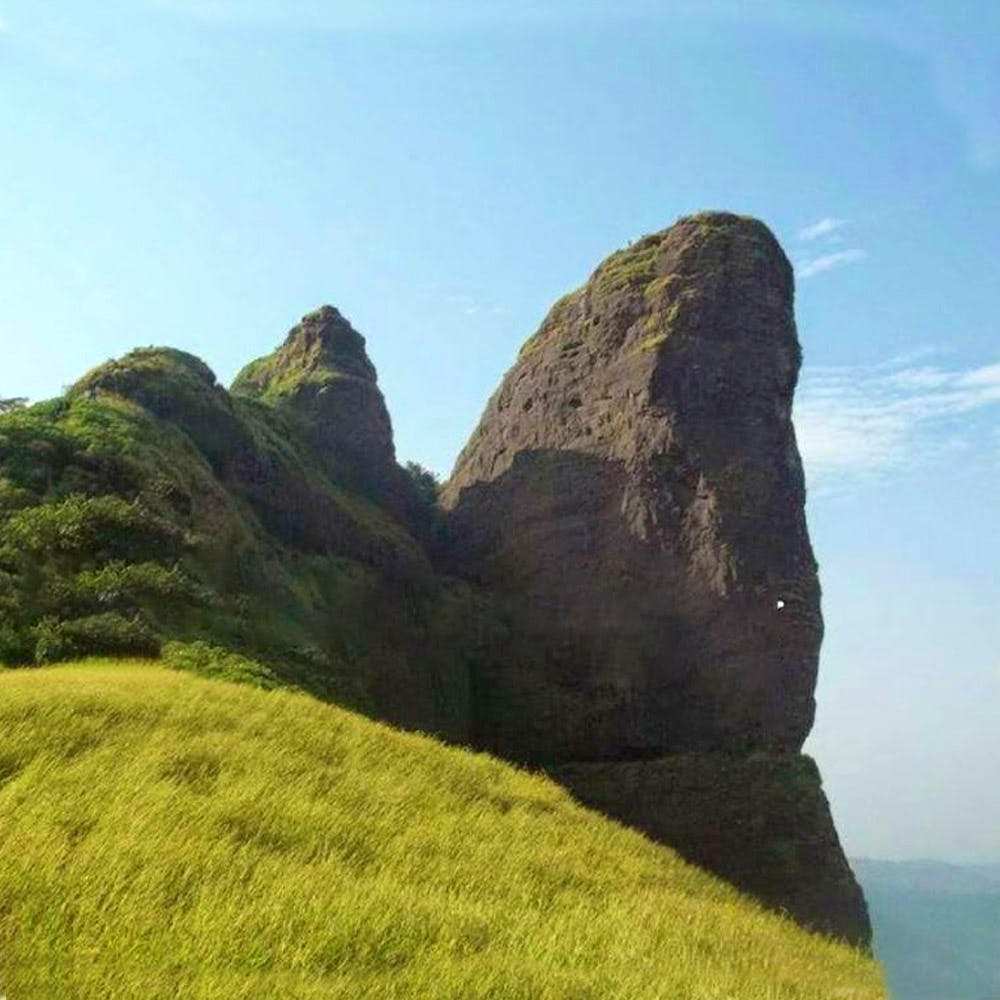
[634, 494]
[761, 822]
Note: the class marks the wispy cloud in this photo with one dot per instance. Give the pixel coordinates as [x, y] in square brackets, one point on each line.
[824, 227]
[828, 261]
[824, 232]
[472, 307]
[3, 24]
[859, 421]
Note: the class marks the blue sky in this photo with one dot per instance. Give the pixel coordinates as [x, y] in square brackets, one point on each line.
[202, 173]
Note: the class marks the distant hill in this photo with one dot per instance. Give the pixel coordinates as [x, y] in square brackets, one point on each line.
[937, 927]
[169, 836]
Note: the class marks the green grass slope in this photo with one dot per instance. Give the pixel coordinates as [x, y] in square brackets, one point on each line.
[164, 835]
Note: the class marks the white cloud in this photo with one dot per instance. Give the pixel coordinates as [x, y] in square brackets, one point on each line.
[471, 306]
[824, 227]
[3, 24]
[859, 421]
[827, 262]
[988, 376]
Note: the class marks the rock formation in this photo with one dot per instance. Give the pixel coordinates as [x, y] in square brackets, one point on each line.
[634, 491]
[760, 821]
[322, 375]
[619, 587]
[633, 496]
[150, 506]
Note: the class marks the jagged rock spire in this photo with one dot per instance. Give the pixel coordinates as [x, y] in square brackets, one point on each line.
[323, 376]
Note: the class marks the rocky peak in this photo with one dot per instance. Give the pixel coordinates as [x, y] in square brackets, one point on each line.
[633, 498]
[321, 375]
[321, 348]
[634, 492]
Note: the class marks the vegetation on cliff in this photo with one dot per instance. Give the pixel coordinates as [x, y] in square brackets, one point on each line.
[149, 506]
[166, 836]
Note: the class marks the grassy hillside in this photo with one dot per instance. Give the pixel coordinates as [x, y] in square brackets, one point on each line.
[163, 835]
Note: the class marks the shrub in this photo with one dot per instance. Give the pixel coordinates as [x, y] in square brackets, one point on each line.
[206, 660]
[426, 484]
[61, 639]
[90, 529]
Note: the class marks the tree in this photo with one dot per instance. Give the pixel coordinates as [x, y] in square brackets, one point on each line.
[425, 482]
[14, 403]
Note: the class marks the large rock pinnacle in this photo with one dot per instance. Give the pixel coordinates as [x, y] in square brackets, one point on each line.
[634, 492]
[634, 499]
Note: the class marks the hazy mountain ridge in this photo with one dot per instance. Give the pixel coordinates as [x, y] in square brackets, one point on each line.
[936, 927]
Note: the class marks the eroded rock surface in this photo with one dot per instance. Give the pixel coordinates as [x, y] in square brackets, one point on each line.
[634, 494]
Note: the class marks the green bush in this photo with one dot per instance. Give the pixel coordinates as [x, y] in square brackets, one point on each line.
[91, 529]
[58, 639]
[206, 660]
[86, 575]
[117, 583]
[425, 482]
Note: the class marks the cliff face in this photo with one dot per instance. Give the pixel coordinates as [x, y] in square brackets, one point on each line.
[634, 492]
[634, 498]
[760, 821]
[619, 586]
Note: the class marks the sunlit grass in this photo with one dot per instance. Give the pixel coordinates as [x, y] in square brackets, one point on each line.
[162, 835]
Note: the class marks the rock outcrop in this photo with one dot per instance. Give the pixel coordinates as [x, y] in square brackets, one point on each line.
[634, 491]
[633, 496]
[619, 586]
[322, 375]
